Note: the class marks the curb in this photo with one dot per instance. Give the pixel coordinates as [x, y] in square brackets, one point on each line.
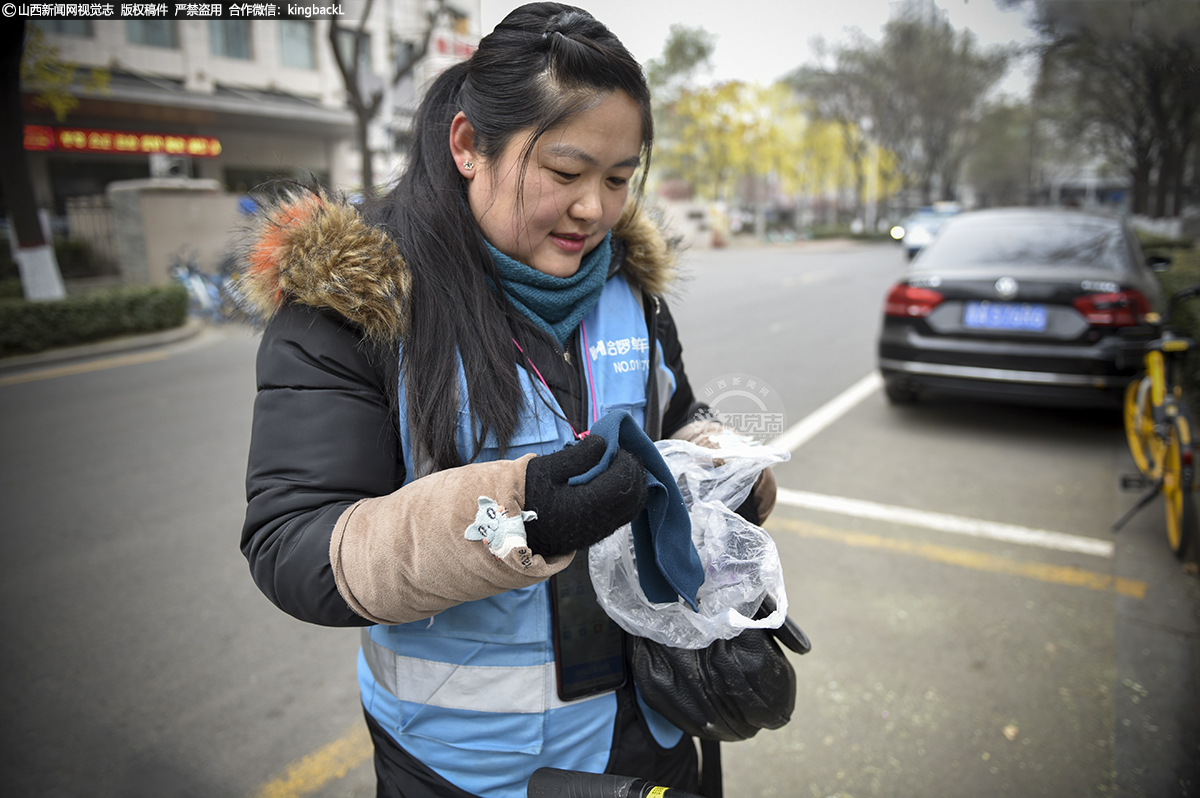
[128, 343]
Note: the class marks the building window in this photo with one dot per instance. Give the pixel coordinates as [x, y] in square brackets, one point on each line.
[151, 32]
[345, 44]
[403, 53]
[297, 43]
[230, 38]
[72, 27]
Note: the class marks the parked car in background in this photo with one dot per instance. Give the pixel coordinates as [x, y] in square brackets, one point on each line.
[1033, 304]
[919, 229]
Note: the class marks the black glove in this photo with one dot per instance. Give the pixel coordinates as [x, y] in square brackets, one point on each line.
[573, 517]
[749, 510]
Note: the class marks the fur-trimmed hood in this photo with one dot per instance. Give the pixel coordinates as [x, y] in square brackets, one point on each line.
[316, 250]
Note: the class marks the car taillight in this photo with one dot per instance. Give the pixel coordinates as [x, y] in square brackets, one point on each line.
[909, 301]
[1120, 309]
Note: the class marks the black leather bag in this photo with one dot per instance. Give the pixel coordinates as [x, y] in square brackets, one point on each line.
[727, 691]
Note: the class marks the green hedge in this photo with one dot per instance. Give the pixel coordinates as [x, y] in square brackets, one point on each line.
[1153, 243]
[1184, 272]
[27, 327]
[823, 232]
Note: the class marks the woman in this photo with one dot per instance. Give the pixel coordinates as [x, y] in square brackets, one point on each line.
[426, 363]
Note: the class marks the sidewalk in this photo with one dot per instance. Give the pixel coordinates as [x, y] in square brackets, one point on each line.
[126, 343]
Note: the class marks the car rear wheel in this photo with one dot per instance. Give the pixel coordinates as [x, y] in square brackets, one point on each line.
[898, 394]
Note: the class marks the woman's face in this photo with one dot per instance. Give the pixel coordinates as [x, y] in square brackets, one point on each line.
[573, 189]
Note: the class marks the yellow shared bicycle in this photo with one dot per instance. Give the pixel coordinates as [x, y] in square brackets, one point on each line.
[1159, 428]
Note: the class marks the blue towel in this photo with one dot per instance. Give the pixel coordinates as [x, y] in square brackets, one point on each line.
[668, 566]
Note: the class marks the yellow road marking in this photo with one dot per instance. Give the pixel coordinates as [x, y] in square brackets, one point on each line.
[82, 368]
[311, 773]
[967, 558]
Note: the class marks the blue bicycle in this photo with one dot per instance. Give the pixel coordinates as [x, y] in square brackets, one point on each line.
[209, 295]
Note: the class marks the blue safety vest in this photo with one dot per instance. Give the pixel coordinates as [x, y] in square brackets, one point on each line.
[471, 692]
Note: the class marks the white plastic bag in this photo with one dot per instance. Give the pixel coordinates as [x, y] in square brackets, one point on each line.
[741, 563]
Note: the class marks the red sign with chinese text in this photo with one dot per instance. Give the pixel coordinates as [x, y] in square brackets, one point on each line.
[75, 139]
[451, 45]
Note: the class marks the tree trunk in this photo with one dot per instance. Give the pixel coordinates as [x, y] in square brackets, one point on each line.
[949, 181]
[1166, 171]
[860, 190]
[1139, 202]
[352, 80]
[1177, 190]
[40, 278]
[1189, 175]
[1172, 199]
[364, 144]
[854, 149]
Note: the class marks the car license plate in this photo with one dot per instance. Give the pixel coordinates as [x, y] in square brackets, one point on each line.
[1005, 316]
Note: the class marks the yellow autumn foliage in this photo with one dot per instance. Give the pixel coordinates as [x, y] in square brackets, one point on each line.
[717, 136]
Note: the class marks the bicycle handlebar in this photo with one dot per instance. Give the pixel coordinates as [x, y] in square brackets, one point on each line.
[554, 783]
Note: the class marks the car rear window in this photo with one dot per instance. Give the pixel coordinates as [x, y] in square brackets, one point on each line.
[1036, 243]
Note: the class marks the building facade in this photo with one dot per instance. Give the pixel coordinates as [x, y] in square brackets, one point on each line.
[235, 101]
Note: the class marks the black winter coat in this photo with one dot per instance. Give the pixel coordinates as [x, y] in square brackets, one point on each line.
[325, 431]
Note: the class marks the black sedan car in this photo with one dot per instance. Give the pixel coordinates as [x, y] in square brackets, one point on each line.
[1024, 304]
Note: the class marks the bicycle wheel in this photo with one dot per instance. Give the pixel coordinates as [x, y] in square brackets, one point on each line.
[1177, 485]
[1139, 426]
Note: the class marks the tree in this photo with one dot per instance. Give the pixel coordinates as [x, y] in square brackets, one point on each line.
[1125, 75]
[25, 53]
[731, 131]
[50, 78]
[744, 143]
[916, 91]
[841, 96]
[687, 52]
[364, 89]
[731, 141]
[999, 156]
[705, 149]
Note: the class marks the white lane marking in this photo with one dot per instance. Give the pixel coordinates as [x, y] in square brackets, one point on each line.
[808, 427]
[942, 522]
[798, 434]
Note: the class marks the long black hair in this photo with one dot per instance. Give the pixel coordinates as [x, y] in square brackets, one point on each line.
[542, 65]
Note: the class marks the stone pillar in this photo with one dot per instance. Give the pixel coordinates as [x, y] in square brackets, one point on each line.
[155, 220]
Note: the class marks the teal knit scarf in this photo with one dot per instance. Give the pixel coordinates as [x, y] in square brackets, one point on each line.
[555, 304]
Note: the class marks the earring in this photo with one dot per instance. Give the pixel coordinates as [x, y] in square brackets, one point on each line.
[468, 165]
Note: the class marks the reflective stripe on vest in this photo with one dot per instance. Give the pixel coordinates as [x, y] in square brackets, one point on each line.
[481, 688]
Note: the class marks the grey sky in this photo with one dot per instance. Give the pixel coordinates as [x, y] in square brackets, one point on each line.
[761, 40]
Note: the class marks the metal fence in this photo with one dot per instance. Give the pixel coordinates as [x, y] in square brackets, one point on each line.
[89, 221]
